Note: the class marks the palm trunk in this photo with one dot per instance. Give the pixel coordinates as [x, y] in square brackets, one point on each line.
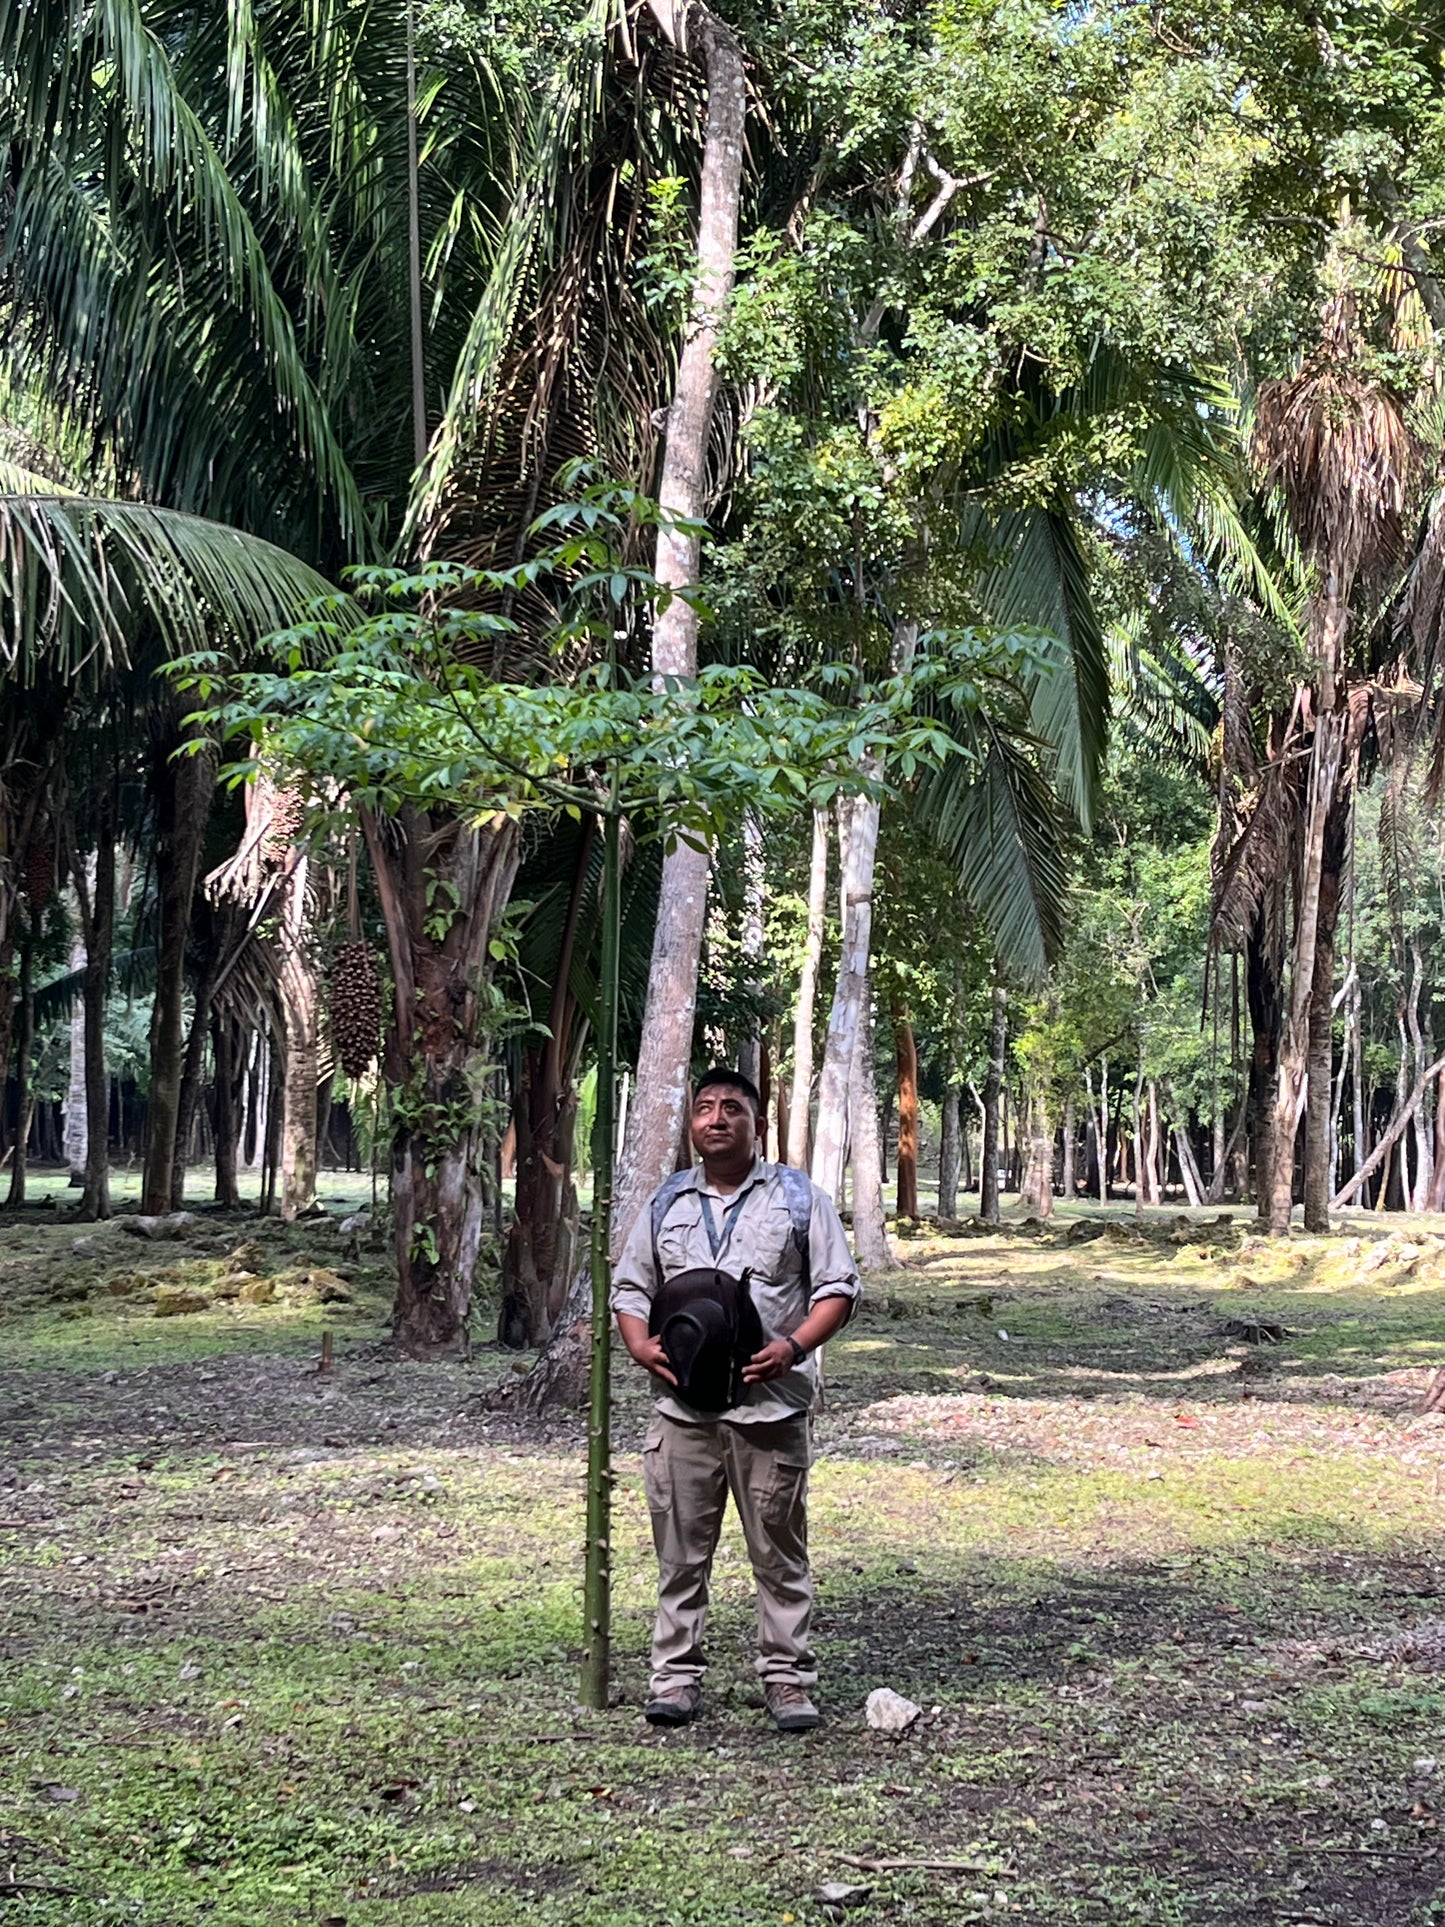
[907, 1172]
[870, 1230]
[992, 1087]
[436, 1061]
[658, 1117]
[193, 1068]
[75, 1115]
[184, 787]
[802, 1092]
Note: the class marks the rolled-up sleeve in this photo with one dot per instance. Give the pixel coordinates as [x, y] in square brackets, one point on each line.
[834, 1274]
[634, 1276]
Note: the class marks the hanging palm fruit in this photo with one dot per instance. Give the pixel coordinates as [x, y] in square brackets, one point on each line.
[355, 1007]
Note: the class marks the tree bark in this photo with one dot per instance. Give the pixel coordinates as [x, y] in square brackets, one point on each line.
[1321, 1022]
[993, 1085]
[1070, 1186]
[849, 1013]
[1398, 1124]
[950, 1147]
[907, 1173]
[298, 981]
[656, 1124]
[184, 786]
[76, 1120]
[1036, 1192]
[95, 895]
[870, 1230]
[24, 1045]
[802, 1092]
[441, 886]
[1262, 992]
[230, 1077]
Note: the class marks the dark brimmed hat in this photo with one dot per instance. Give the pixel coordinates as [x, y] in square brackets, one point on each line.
[709, 1327]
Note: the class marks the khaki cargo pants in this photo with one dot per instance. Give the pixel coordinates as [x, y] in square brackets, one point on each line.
[689, 1471]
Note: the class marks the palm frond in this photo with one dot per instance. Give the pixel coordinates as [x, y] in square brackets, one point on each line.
[82, 577]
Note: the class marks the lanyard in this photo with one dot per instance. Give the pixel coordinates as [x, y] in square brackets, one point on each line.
[719, 1241]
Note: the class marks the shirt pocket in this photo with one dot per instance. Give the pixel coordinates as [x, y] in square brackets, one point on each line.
[676, 1241]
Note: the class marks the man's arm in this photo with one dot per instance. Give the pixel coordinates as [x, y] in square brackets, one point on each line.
[777, 1357]
[634, 1282]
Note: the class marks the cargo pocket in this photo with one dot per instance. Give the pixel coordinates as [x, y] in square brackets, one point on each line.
[653, 1484]
[785, 1490]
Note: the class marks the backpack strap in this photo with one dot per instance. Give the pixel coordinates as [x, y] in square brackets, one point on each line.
[663, 1199]
[798, 1190]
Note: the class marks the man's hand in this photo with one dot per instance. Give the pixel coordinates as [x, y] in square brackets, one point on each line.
[648, 1351]
[773, 1361]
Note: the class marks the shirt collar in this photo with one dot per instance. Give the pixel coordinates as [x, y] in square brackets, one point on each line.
[755, 1176]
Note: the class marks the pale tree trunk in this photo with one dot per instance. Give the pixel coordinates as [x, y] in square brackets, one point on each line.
[1138, 1118]
[230, 1078]
[870, 1232]
[95, 894]
[951, 1146]
[655, 1127]
[1422, 1128]
[907, 1173]
[298, 984]
[1037, 1189]
[184, 786]
[436, 1057]
[258, 1096]
[849, 1013]
[992, 1087]
[1406, 1110]
[750, 1054]
[1326, 755]
[802, 1092]
[1156, 1188]
[24, 1095]
[75, 1117]
[1070, 1186]
[1321, 1024]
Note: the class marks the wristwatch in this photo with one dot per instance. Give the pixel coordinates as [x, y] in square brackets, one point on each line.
[799, 1351]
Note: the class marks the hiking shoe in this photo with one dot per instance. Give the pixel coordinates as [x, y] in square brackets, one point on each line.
[792, 1710]
[674, 1709]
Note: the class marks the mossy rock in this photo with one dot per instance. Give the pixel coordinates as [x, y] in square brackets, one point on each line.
[232, 1284]
[174, 1301]
[257, 1291]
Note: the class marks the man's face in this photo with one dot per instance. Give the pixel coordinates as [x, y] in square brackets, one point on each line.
[724, 1129]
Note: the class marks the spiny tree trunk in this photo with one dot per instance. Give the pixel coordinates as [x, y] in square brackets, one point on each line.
[184, 786]
[657, 1120]
[1321, 1023]
[992, 1087]
[802, 1091]
[441, 886]
[870, 1230]
[907, 1174]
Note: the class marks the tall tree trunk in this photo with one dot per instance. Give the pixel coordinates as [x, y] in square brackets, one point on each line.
[658, 1117]
[802, 1092]
[1154, 1186]
[849, 1013]
[216, 930]
[907, 1174]
[1070, 1186]
[95, 894]
[184, 785]
[750, 1048]
[1036, 1191]
[1262, 992]
[299, 983]
[870, 1231]
[1321, 1022]
[992, 1087]
[76, 1120]
[1326, 754]
[24, 1096]
[230, 1077]
[441, 885]
[951, 1147]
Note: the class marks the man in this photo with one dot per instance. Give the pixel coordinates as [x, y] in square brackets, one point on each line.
[736, 1214]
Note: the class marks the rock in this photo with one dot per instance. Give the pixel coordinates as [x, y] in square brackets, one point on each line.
[1084, 1230]
[234, 1284]
[358, 1221]
[888, 1712]
[173, 1301]
[1377, 1255]
[246, 1255]
[257, 1291]
[175, 1224]
[842, 1893]
[318, 1285]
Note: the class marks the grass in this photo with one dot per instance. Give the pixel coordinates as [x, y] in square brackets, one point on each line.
[285, 1647]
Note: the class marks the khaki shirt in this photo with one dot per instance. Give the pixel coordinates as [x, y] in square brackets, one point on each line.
[761, 1240]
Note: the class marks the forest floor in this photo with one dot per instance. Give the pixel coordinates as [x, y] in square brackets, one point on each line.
[1147, 1520]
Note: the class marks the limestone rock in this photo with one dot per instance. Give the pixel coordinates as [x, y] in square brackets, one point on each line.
[174, 1224]
[889, 1712]
[257, 1291]
[173, 1301]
